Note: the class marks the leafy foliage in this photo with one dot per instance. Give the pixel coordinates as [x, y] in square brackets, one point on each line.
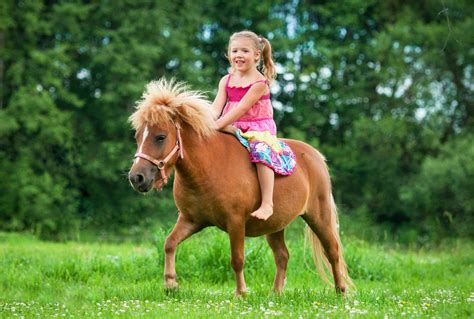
[383, 89]
[440, 197]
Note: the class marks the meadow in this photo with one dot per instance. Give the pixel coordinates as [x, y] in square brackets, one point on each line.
[123, 280]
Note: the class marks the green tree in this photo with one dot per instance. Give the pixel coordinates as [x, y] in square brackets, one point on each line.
[36, 135]
[378, 87]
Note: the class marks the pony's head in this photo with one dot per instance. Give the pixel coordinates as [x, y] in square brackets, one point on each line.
[164, 108]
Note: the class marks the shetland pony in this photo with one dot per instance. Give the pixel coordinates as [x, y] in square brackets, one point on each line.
[215, 184]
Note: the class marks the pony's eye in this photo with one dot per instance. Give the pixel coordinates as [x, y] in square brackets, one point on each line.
[160, 138]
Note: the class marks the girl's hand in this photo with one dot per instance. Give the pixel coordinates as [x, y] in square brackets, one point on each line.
[229, 129]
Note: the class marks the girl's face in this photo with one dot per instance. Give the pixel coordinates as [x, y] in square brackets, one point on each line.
[243, 55]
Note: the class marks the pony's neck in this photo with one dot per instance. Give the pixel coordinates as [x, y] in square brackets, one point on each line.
[197, 159]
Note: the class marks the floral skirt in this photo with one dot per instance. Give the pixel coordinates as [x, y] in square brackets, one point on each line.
[265, 148]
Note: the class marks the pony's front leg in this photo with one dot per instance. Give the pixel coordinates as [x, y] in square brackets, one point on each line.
[237, 238]
[183, 229]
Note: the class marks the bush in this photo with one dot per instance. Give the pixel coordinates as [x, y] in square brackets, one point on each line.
[440, 198]
[378, 158]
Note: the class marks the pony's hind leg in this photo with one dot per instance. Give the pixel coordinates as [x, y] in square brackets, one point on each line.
[183, 229]
[321, 218]
[281, 255]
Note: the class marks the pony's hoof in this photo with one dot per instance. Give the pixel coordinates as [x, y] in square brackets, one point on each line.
[241, 294]
[171, 286]
[278, 291]
[341, 291]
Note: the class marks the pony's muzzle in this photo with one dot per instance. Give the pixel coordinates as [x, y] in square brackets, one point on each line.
[141, 181]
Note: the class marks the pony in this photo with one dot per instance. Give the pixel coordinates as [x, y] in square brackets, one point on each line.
[215, 184]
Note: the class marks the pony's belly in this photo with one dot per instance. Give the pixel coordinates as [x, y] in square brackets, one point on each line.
[256, 227]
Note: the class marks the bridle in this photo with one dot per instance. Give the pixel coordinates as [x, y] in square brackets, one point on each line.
[161, 163]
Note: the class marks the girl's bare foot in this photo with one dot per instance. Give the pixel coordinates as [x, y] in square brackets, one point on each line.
[264, 212]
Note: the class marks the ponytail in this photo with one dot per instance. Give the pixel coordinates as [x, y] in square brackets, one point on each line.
[268, 67]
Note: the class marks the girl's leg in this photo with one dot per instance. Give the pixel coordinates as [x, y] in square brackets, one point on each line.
[266, 177]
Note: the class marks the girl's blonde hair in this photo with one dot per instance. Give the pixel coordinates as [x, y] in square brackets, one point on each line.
[262, 45]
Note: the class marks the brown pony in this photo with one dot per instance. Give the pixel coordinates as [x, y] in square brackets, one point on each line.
[216, 185]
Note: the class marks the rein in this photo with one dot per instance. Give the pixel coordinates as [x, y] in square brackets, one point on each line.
[161, 163]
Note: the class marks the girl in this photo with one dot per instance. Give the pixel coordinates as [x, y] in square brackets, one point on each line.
[248, 112]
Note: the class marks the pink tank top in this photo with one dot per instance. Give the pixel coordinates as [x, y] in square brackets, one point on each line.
[259, 117]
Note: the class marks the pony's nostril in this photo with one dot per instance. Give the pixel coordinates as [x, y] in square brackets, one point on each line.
[137, 179]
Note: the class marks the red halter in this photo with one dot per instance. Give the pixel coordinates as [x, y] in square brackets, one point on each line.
[161, 163]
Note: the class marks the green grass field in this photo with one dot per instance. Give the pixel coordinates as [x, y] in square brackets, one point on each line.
[88, 280]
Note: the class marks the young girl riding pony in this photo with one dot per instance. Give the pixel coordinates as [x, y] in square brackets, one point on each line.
[243, 103]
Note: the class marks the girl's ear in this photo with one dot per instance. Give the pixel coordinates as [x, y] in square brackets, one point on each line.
[258, 55]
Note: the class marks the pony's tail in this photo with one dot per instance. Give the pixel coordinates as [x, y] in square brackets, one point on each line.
[319, 256]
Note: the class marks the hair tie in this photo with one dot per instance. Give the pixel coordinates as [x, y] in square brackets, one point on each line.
[262, 43]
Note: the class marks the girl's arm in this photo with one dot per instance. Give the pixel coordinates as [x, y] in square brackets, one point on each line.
[249, 99]
[220, 99]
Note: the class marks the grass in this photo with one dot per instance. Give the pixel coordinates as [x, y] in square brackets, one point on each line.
[103, 280]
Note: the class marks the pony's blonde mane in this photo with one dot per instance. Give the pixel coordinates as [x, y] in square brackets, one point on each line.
[164, 102]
